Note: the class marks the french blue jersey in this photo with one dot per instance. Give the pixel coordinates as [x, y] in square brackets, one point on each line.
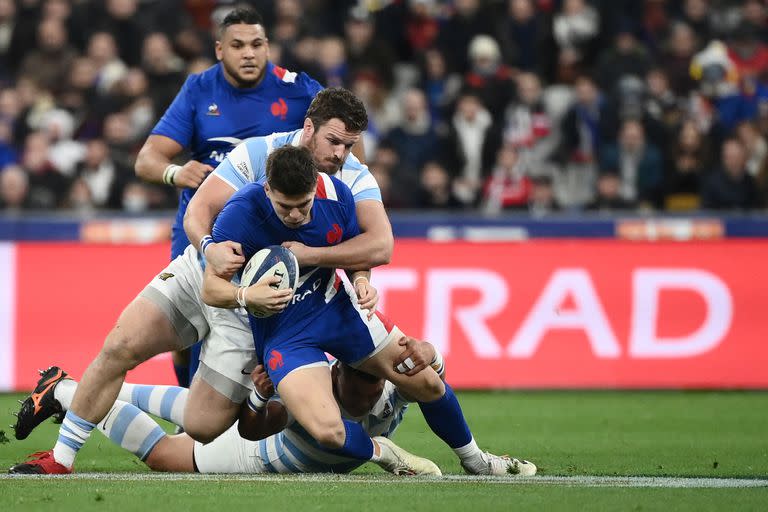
[209, 117]
[249, 218]
[247, 163]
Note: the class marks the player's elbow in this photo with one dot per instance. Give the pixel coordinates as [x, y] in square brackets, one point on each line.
[142, 167]
[383, 253]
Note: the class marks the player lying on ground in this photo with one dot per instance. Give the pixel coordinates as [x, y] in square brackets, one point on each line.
[278, 445]
[333, 124]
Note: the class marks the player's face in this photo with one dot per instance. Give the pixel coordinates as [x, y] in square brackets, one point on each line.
[330, 144]
[357, 395]
[293, 211]
[243, 51]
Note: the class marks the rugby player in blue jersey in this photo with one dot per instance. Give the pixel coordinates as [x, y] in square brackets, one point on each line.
[299, 205]
[244, 95]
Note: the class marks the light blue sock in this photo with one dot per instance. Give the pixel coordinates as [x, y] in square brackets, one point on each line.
[126, 425]
[165, 401]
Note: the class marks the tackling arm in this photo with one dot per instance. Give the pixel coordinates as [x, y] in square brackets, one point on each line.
[371, 248]
[261, 417]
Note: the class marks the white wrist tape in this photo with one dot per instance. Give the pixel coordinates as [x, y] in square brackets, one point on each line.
[354, 283]
[437, 363]
[205, 241]
[256, 402]
[169, 174]
[406, 365]
[240, 296]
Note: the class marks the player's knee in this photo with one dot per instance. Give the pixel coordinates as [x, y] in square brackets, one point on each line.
[201, 433]
[330, 436]
[120, 350]
[425, 386]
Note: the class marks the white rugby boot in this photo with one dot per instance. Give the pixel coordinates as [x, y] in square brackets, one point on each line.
[502, 465]
[398, 461]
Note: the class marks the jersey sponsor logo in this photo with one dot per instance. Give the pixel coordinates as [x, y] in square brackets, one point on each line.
[334, 235]
[298, 297]
[242, 168]
[165, 276]
[275, 360]
[279, 109]
[218, 155]
[213, 110]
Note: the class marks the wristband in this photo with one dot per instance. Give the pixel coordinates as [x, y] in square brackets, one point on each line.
[437, 363]
[240, 296]
[256, 402]
[354, 283]
[205, 241]
[169, 174]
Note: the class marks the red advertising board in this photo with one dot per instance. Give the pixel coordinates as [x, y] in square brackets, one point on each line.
[537, 314]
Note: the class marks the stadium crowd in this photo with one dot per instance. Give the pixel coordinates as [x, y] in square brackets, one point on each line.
[529, 105]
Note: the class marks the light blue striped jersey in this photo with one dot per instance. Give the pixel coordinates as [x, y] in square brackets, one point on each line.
[248, 163]
[294, 451]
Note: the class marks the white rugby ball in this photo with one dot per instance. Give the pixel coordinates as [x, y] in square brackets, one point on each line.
[271, 261]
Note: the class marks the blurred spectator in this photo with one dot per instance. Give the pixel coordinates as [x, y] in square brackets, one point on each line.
[46, 186]
[575, 28]
[79, 198]
[421, 26]
[542, 200]
[754, 145]
[470, 146]
[754, 13]
[99, 173]
[731, 187]
[7, 28]
[414, 137]
[49, 63]
[508, 187]
[638, 164]
[689, 162]
[64, 152]
[625, 57]
[435, 191]
[528, 125]
[364, 51]
[164, 70]
[332, 58]
[14, 188]
[119, 18]
[695, 14]
[492, 80]
[676, 58]
[662, 105]
[526, 39]
[748, 52]
[469, 19]
[608, 197]
[102, 50]
[439, 84]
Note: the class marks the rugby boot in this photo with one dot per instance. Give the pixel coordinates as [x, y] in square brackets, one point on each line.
[41, 404]
[40, 463]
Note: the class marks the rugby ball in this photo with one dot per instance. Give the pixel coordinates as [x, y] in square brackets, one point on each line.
[271, 261]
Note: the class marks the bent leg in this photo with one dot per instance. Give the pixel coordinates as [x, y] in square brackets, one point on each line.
[212, 405]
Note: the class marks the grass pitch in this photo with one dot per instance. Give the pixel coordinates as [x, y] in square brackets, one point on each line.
[586, 445]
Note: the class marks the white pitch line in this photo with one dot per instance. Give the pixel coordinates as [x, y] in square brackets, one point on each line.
[565, 481]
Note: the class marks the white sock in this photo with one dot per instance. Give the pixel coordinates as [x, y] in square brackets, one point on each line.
[73, 433]
[165, 401]
[64, 392]
[470, 454]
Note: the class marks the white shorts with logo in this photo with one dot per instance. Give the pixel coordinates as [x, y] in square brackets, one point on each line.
[228, 356]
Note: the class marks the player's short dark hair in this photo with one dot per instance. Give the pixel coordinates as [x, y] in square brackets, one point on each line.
[240, 15]
[338, 103]
[292, 171]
